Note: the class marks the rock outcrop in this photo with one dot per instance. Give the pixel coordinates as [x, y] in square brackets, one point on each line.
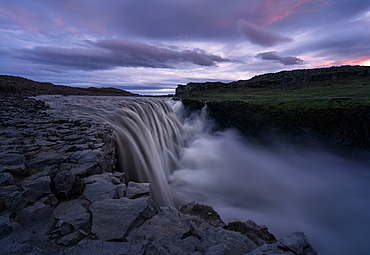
[16, 85]
[61, 194]
[341, 127]
[288, 79]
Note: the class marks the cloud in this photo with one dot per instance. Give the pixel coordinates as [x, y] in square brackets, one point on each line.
[260, 36]
[109, 54]
[272, 55]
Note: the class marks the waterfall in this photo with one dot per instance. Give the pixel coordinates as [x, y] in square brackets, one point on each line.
[149, 135]
[287, 188]
[149, 139]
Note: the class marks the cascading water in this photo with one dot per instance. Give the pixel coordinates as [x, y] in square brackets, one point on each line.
[149, 135]
[287, 188]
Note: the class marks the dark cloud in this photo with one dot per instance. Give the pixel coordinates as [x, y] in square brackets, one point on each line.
[108, 54]
[272, 55]
[260, 36]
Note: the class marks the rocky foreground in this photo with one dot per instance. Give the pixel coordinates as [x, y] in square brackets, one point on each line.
[61, 194]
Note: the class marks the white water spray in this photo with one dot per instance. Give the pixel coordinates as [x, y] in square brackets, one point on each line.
[287, 188]
[149, 135]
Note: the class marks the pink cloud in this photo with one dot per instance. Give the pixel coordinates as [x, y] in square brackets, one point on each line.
[21, 16]
[260, 36]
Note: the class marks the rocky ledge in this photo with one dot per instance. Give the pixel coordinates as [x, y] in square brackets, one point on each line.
[61, 194]
[22, 86]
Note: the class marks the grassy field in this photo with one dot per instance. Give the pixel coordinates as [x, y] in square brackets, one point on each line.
[349, 91]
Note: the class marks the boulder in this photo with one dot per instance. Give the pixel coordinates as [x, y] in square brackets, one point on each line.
[6, 179]
[37, 218]
[100, 190]
[294, 244]
[259, 234]
[7, 190]
[120, 176]
[44, 159]
[203, 211]
[112, 219]
[63, 182]
[135, 190]
[8, 246]
[168, 222]
[11, 159]
[5, 226]
[98, 178]
[86, 169]
[19, 203]
[232, 242]
[17, 170]
[86, 156]
[121, 189]
[70, 239]
[73, 213]
[100, 248]
[41, 184]
[31, 194]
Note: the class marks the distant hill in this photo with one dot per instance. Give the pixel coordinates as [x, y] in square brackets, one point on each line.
[280, 81]
[22, 86]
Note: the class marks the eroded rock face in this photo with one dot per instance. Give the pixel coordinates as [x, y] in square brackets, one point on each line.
[112, 219]
[168, 222]
[63, 182]
[60, 194]
[135, 190]
[296, 243]
[73, 212]
[38, 217]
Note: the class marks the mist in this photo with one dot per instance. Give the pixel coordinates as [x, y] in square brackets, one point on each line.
[185, 158]
[284, 187]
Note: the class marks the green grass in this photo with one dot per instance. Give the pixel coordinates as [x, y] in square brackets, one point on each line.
[349, 91]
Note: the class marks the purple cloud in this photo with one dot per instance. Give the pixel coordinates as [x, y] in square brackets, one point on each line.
[260, 36]
[272, 55]
[108, 54]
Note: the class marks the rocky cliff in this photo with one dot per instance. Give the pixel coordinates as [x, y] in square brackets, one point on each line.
[288, 79]
[341, 127]
[22, 86]
[61, 194]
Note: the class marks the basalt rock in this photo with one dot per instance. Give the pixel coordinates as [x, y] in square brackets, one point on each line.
[288, 79]
[60, 194]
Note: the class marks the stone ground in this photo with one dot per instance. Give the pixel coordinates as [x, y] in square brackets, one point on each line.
[61, 194]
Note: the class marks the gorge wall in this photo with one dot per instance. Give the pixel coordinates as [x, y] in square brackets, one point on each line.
[61, 193]
[289, 79]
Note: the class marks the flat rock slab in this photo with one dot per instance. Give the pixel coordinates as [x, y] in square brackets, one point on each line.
[6, 179]
[232, 242]
[99, 190]
[44, 159]
[168, 222]
[114, 218]
[5, 226]
[37, 218]
[11, 159]
[41, 184]
[98, 178]
[135, 189]
[86, 156]
[101, 248]
[296, 243]
[73, 213]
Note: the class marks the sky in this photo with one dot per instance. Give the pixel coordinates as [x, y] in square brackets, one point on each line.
[151, 46]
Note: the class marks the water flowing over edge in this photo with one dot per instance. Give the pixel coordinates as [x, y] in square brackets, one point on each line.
[286, 188]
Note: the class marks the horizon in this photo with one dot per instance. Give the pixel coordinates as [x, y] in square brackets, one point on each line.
[149, 47]
[169, 94]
